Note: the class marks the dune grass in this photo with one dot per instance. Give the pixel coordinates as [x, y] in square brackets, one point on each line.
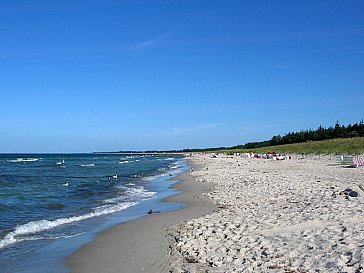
[331, 146]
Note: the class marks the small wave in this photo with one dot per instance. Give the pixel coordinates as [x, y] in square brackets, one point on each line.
[125, 161]
[36, 238]
[127, 157]
[134, 194]
[165, 159]
[154, 177]
[88, 165]
[67, 236]
[23, 160]
[151, 178]
[140, 192]
[37, 226]
[30, 159]
[175, 165]
[174, 172]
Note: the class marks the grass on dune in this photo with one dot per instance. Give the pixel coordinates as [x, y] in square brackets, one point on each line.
[331, 146]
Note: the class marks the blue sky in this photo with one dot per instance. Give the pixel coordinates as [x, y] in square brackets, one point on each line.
[83, 76]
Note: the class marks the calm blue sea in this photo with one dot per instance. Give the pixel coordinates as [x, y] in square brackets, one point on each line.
[52, 204]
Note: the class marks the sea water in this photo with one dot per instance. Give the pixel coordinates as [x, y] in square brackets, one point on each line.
[51, 204]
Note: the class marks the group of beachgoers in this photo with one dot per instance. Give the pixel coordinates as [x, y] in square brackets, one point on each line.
[269, 155]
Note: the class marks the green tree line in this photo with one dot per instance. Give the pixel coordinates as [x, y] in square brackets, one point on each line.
[321, 133]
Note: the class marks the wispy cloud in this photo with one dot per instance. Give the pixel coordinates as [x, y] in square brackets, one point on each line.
[159, 39]
[152, 42]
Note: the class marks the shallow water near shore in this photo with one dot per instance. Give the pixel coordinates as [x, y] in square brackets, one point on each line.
[37, 240]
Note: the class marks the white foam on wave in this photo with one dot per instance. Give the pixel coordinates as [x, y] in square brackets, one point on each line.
[88, 165]
[176, 164]
[172, 169]
[23, 160]
[175, 167]
[41, 225]
[166, 159]
[139, 192]
[151, 178]
[35, 238]
[125, 161]
[128, 157]
[136, 194]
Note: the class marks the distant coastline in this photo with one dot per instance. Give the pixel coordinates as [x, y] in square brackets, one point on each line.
[141, 153]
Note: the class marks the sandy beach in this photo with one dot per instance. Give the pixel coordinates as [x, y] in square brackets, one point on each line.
[245, 215]
[300, 215]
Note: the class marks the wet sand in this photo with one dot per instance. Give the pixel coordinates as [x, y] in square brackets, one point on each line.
[142, 245]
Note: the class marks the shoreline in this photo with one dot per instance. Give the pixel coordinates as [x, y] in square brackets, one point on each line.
[244, 215]
[142, 244]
